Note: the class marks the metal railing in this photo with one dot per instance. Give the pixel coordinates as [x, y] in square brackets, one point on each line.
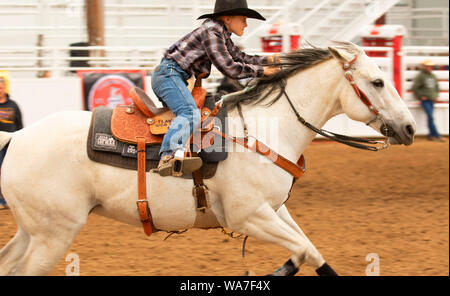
[127, 23]
[418, 35]
[62, 22]
[56, 61]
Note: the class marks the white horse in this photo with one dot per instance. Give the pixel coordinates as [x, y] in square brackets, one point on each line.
[52, 186]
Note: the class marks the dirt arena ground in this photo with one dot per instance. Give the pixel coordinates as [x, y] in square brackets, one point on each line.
[350, 203]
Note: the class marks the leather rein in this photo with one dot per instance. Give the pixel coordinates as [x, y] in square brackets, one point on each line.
[346, 140]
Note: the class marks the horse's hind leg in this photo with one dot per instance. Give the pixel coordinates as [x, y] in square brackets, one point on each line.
[13, 252]
[49, 239]
[44, 252]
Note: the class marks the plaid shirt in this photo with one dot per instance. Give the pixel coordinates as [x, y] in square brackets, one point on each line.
[211, 44]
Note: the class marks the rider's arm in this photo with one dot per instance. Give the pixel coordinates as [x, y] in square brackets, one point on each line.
[241, 56]
[216, 49]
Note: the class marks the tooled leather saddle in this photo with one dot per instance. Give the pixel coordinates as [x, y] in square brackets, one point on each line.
[144, 120]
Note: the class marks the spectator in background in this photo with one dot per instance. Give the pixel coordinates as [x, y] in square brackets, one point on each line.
[426, 89]
[10, 121]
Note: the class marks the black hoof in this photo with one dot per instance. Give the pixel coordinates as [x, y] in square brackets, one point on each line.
[326, 270]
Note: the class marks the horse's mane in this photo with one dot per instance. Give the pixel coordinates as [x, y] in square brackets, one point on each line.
[291, 63]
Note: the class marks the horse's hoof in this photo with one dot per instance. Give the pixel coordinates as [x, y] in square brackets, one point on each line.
[288, 269]
[326, 270]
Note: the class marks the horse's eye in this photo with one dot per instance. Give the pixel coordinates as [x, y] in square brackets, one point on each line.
[378, 83]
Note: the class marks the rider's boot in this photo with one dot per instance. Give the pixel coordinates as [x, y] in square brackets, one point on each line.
[176, 164]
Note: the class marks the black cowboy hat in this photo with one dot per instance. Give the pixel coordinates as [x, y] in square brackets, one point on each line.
[233, 7]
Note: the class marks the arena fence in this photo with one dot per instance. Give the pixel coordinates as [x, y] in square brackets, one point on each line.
[57, 62]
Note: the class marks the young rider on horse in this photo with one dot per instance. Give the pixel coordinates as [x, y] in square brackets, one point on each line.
[193, 55]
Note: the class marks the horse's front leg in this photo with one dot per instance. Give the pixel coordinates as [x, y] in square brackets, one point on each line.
[264, 224]
[314, 258]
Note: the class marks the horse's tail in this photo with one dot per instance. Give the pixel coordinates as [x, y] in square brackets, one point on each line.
[4, 139]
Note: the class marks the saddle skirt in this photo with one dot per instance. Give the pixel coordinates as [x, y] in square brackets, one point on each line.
[144, 119]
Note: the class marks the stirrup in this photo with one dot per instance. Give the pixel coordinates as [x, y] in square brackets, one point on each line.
[182, 165]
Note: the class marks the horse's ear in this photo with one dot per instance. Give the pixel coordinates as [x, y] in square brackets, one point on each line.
[337, 55]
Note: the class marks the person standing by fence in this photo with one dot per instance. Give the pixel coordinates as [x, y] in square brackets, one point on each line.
[426, 89]
[10, 121]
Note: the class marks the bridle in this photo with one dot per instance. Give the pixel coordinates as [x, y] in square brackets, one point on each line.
[359, 93]
[350, 141]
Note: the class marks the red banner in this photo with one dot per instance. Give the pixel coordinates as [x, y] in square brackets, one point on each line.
[109, 87]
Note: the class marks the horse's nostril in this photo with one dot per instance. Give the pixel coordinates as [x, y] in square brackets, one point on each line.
[410, 130]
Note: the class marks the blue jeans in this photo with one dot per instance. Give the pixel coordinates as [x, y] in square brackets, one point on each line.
[169, 83]
[428, 106]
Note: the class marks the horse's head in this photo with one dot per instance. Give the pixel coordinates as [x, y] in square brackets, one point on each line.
[372, 98]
